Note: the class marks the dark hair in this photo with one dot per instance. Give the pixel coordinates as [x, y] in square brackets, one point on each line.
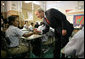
[32, 23]
[26, 22]
[12, 18]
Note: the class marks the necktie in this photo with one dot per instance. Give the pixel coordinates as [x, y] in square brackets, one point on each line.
[47, 20]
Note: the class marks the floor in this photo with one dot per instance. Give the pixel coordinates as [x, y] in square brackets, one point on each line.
[48, 54]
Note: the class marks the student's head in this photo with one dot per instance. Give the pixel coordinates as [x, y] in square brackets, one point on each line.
[32, 24]
[26, 22]
[39, 13]
[13, 20]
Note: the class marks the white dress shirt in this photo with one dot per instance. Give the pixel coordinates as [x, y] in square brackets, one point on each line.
[41, 28]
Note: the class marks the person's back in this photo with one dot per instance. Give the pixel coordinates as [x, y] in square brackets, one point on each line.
[76, 45]
[57, 19]
[59, 22]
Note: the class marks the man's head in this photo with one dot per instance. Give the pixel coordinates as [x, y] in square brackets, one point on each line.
[39, 13]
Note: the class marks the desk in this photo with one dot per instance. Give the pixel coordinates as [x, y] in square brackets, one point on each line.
[36, 43]
[25, 30]
[34, 36]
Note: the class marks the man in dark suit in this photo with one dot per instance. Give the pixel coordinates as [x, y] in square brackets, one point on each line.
[63, 29]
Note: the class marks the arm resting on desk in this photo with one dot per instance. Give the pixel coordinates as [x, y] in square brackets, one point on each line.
[28, 34]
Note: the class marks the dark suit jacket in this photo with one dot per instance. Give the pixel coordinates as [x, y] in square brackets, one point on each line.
[58, 21]
[46, 27]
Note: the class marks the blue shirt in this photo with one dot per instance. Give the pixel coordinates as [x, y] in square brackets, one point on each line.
[14, 34]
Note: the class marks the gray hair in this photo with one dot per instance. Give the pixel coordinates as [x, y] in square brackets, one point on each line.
[40, 10]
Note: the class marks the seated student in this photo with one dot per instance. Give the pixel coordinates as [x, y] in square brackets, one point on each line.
[36, 25]
[25, 25]
[41, 27]
[14, 34]
[75, 47]
[31, 27]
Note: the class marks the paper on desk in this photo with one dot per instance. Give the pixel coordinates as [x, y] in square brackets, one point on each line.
[24, 29]
[32, 37]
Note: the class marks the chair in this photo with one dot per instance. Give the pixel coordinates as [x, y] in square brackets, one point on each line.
[3, 47]
[19, 52]
[48, 44]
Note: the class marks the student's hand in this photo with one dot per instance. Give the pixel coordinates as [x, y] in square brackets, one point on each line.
[64, 32]
[36, 32]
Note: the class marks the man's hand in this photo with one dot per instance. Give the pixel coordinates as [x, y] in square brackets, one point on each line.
[36, 32]
[64, 32]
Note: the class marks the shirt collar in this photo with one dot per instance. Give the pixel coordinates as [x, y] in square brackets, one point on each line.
[44, 16]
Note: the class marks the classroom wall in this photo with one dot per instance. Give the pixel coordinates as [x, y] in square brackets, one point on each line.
[69, 8]
[19, 8]
[71, 15]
